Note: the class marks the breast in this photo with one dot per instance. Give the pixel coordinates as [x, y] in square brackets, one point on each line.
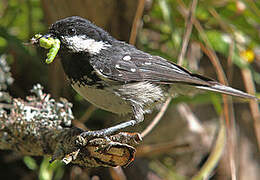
[104, 99]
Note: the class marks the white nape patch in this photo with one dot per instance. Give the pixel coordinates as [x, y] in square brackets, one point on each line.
[127, 58]
[83, 43]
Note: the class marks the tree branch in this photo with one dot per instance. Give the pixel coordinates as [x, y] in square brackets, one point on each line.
[40, 126]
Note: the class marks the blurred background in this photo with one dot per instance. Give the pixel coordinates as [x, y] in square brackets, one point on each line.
[224, 44]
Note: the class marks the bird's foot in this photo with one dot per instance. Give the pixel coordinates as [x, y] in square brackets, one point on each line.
[86, 136]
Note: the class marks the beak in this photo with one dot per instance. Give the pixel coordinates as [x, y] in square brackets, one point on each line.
[49, 35]
[35, 40]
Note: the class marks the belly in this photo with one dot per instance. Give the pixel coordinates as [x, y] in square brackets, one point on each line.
[104, 99]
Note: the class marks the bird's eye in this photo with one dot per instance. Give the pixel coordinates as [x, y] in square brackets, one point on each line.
[71, 31]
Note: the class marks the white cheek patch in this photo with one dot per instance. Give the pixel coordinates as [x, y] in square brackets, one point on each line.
[83, 43]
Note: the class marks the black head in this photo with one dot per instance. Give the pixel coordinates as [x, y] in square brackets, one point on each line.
[78, 34]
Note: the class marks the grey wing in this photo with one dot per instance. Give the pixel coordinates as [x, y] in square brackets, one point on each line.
[144, 67]
[138, 67]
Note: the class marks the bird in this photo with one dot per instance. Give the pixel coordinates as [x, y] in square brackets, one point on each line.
[117, 77]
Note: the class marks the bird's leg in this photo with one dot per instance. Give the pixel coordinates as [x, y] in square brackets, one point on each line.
[108, 131]
[137, 118]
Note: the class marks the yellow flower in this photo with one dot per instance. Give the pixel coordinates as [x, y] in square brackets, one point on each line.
[248, 55]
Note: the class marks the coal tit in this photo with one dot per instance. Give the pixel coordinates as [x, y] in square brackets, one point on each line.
[117, 77]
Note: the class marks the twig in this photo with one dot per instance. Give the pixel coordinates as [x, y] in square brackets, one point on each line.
[229, 61]
[157, 118]
[231, 128]
[161, 148]
[215, 155]
[117, 173]
[229, 30]
[228, 111]
[193, 122]
[79, 124]
[248, 80]
[220, 73]
[85, 117]
[136, 22]
[186, 37]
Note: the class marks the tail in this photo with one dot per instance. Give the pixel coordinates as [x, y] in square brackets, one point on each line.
[216, 87]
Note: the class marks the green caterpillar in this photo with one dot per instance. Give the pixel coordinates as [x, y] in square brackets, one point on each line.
[49, 43]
